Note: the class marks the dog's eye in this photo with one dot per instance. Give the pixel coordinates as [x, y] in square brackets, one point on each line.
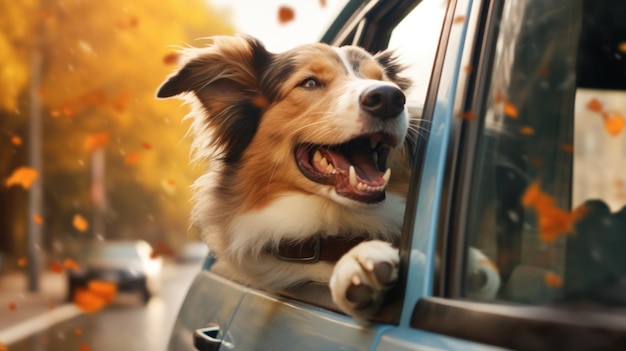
[310, 83]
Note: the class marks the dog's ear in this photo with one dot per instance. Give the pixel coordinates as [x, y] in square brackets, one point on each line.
[393, 68]
[224, 77]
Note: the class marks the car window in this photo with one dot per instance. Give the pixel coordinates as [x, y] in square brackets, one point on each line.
[547, 200]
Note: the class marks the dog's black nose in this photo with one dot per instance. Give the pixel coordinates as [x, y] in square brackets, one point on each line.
[383, 101]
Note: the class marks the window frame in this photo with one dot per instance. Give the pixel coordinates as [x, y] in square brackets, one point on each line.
[448, 312]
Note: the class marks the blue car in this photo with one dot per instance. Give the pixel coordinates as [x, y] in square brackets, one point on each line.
[521, 155]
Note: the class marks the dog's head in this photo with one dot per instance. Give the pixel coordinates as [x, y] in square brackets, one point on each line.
[315, 119]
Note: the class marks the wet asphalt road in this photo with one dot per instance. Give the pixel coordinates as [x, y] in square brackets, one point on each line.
[126, 325]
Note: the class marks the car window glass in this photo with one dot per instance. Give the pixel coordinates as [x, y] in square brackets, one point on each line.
[546, 220]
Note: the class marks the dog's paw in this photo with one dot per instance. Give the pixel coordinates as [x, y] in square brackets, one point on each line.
[362, 277]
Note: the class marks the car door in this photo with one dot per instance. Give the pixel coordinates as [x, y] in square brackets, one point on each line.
[525, 162]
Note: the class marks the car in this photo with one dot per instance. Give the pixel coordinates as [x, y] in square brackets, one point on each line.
[522, 155]
[131, 265]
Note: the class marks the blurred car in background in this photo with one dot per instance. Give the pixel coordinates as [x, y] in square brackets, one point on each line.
[131, 265]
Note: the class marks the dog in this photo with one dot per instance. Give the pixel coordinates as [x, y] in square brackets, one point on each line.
[309, 162]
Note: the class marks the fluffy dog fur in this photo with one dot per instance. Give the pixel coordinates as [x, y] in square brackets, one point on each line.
[263, 121]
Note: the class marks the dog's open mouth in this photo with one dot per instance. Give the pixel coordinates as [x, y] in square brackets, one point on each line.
[357, 169]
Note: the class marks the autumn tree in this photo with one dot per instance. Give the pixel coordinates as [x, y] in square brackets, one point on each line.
[101, 63]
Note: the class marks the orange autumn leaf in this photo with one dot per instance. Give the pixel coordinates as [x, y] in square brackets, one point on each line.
[3, 347]
[37, 219]
[16, 140]
[468, 115]
[594, 105]
[622, 47]
[70, 264]
[132, 158]
[22, 176]
[285, 14]
[56, 267]
[147, 146]
[87, 301]
[83, 347]
[22, 262]
[77, 331]
[171, 182]
[569, 148]
[613, 123]
[553, 280]
[96, 141]
[171, 58]
[80, 223]
[553, 222]
[510, 110]
[12, 306]
[104, 289]
[67, 112]
[527, 130]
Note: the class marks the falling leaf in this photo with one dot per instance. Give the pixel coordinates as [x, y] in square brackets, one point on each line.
[55, 113]
[468, 115]
[12, 306]
[260, 102]
[96, 141]
[83, 347]
[613, 123]
[622, 47]
[3, 347]
[133, 22]
[70, 264]
[285, 14]
[171, 182]
[23, 176]
[553, 222]
[22, 262]
[77, 331]
[594, 105]
[80, 223]
[161, 249]
[569, 148]
[16, 140]
[132, 158]
[510, 110]
[147, 146]
[87, 301]
[171, 58]
[526, 130]
[104, 289]
[459, 19]
[37, 219]
[498, 97]
[553, 280]
[68, 112]
[56, 267]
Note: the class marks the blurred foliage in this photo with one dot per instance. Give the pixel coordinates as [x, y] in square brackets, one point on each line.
[100, 65]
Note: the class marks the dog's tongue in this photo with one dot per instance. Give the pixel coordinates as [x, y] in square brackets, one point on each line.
[361, 157]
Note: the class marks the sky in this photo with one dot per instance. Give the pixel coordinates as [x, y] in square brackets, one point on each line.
[260, 19]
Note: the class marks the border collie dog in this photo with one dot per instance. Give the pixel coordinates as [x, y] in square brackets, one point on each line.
[308, 166]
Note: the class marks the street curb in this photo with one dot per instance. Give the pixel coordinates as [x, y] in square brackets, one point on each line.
[36, 324]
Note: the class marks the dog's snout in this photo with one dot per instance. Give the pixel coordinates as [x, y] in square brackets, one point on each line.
[383, 101]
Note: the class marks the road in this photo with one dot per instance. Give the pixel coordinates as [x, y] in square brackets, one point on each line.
[126, 325]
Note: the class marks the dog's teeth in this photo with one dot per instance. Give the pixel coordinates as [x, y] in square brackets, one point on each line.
[356, 280]
[317, 157]
[323, 162]
[330, 168]
[375, 156]
[387, 176]
[353, 181]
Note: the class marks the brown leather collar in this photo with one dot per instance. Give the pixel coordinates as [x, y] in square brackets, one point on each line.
[315, 249]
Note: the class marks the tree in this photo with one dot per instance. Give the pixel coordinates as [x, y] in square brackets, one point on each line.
[101, 65]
